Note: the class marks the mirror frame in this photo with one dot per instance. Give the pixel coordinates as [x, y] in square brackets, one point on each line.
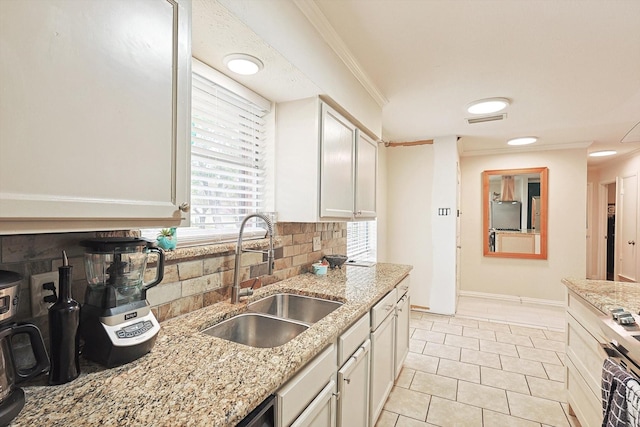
[544, 211]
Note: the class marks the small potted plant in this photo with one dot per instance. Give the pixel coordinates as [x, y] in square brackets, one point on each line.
[167, 238]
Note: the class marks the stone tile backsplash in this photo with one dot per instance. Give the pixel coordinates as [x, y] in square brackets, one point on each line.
[194, 277]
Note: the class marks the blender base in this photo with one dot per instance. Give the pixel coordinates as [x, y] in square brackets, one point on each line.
[11, 406]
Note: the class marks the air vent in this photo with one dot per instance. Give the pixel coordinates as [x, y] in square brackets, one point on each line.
[483, 119]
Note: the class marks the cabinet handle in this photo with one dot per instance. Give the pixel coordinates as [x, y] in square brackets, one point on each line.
[347, 380]
[631, 242]
[185, 207]
[389, 307]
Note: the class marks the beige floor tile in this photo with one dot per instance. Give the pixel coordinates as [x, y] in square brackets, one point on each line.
[406, 402]
[442, 351]
[555, 372]
[435, 385]
[464, 322]
[536, 409]
[436, 318]
[502, 379]
[421, 324]
[462, 342]
[416, 346]
[387, 419]
[547, 389]
[410, 422]
[447, 328]
[498, 347]
[556, 335]
[480, 358]
[523, 330]
[411, 331]
[540, 355]
[483, 396]
[484, 334]
[459, 370]
[495, 419]
[494, 326]
[421, 362]
[405, 377]
[415, 315]
[509, 338]
[443, 412]
[523, 366]
[546, 344]
[430, 336]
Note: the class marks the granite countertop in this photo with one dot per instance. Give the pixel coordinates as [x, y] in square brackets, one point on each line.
[192, 379]
[605, 295]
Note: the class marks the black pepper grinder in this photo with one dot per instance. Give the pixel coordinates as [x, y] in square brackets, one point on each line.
[64, 322]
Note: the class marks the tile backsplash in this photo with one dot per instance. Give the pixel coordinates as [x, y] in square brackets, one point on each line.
[194, 277]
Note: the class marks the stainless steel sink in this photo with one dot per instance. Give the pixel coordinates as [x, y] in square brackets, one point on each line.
[257, 330]
[297, 307]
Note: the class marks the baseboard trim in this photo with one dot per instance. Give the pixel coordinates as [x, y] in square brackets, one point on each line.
[512, 298]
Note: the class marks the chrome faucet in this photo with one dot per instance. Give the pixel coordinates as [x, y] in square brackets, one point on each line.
[236, 292]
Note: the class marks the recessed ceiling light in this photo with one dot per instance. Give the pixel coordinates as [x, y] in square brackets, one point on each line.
[603, 153]
[241, 63]
[488, 105]
[523, 140]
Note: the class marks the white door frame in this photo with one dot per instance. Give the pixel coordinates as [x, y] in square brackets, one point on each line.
[603, 205]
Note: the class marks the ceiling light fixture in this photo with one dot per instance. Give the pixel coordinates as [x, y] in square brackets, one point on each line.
[241, 63]
[603, 153]
[488, 105]
[525, 140]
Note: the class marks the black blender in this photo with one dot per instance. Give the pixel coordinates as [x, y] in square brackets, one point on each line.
[117, 324]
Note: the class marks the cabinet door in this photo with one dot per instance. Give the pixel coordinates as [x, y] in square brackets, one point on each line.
[382, 366]
[353, 389]
[95, 114]
[336, 165]
[366, 176]
[402, 333]
[321, 412]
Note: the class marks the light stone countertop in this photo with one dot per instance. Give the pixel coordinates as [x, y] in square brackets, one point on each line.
[193, 379]
[605, 295]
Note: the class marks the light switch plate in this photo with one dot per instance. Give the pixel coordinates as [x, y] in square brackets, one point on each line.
[38, 292]
[317, 245]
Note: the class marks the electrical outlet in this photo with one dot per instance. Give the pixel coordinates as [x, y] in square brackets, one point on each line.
[38, 305]
[316, 244]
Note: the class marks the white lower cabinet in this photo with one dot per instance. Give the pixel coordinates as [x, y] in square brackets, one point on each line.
[382, 354]
[403, 314]
[321, 412]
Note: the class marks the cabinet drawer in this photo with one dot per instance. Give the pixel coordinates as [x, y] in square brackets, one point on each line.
[351, 340]
[298, 393]
[586, 354]
[403, 287]
[586, 405]
[586, 315]
[383, 308]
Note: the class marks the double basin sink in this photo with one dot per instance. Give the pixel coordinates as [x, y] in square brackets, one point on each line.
[274, 320]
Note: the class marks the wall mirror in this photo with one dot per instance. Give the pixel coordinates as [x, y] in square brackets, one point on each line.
[514, 208]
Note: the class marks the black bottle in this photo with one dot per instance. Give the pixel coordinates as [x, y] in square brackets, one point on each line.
[64, 333]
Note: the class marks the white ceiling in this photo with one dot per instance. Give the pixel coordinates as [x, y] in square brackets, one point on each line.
[571, 68]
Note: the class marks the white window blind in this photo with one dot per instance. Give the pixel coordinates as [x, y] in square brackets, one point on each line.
[362, 240]
[228, 150]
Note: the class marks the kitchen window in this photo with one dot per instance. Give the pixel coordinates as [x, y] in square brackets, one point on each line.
[362, 240]
[231, 144]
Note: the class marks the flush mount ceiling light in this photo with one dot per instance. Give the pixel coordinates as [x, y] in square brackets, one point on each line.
[603, 153]
[241, 63]
[488, 105]
[522, 140]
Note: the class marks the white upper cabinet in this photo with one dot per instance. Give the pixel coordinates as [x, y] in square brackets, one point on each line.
[94, 114]
[326, 168]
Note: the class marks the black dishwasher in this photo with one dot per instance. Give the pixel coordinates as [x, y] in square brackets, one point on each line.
[262, 416]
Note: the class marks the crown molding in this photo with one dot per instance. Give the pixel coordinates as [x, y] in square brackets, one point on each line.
[313, 13]
[525, 149]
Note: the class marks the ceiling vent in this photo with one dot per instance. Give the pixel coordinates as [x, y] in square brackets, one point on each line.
[492, 118]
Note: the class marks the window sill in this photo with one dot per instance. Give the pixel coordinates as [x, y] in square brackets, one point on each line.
[201, 251]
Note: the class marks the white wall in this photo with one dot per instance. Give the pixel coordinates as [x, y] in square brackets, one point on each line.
[420, 180]
[535, 279]
[382, 204]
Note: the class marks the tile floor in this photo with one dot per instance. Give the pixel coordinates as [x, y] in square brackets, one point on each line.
[489, 365]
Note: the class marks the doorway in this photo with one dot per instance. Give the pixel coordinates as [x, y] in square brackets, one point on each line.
[611, 231]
